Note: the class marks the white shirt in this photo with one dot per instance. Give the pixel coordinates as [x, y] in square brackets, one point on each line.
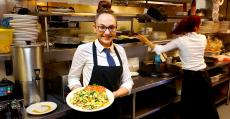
[191, 50]
[82, 63]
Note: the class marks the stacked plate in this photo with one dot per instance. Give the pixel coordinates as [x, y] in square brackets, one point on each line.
[209, 27]
[26, 28]
[224, 26]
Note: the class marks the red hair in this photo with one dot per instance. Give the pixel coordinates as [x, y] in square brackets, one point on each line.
[187, 24]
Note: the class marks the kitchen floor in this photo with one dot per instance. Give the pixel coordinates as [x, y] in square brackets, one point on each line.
[172, 112]
[224, 111]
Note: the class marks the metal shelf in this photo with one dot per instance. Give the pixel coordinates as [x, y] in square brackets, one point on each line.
[4, 57]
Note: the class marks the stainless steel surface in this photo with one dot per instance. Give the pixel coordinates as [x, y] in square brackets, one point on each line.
[46, 33]
[56, 77]
[29, 72]
[4, 57]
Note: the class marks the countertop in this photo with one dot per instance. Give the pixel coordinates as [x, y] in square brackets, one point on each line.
[140, 83]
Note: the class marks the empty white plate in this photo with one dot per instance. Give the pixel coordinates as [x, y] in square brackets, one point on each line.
[41, 108]
[23, 22]
[26, 33]
[17, 32]
[18, 16]
[26, 36]
[25, 39]
[29, 29]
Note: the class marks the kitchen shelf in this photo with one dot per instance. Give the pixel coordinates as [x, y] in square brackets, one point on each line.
[78, 17]
[6, 56]
[146, 102]
[221, 87]
[220, 98]
[222, 80]
[152, 108]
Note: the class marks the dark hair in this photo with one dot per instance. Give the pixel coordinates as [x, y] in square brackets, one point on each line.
[187, 24]
[104, 6]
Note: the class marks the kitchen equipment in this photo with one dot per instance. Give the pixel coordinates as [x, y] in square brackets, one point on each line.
[56, 76]
[6, 89]
[66, 41]
[28, 72]
[157, 14]
[161, 70]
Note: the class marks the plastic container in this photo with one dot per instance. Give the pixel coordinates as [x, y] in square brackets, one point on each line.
[6, 36]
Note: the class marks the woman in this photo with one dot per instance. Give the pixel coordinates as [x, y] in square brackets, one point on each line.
[196, 99]
[90, 59]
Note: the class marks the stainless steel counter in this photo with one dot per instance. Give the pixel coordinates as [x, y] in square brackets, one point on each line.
[140, 84]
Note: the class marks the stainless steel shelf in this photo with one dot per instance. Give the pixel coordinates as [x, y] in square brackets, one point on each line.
[4, 57]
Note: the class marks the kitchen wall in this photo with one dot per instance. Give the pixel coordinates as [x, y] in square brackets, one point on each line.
[7, 6]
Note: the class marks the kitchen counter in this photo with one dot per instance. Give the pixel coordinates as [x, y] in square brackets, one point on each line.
[140, 84]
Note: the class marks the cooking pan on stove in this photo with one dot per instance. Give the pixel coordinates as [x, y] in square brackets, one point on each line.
[159, 70]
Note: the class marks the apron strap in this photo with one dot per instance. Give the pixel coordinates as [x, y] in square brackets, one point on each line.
[94, 55]
[119, 58]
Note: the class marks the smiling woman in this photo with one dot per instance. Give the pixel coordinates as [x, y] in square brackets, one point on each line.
[108, 68]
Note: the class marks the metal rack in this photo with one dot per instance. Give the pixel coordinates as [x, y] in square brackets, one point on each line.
[80, 17]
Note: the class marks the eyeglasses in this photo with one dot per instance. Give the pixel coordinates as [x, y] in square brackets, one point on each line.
[103, 28]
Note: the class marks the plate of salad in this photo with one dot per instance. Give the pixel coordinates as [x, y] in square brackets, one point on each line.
[91, 98]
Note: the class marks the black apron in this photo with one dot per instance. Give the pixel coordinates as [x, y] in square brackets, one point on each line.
[197, 100]
[109, 77]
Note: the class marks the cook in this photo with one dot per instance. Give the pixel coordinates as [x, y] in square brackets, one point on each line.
[196, 98]
[102, 62]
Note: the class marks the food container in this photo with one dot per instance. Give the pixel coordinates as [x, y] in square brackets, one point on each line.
[6, 36]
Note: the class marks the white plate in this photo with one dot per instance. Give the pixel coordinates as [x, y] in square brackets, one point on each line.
[17, 32]
[28, 29]
[25, 39]
[71, 94]
[41, 108]
[22, 20]
[134, 73]
[23, 24]
[18, 16]
[19, 35]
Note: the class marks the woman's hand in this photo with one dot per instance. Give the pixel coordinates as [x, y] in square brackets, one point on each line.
[145, 40]
[120, 92]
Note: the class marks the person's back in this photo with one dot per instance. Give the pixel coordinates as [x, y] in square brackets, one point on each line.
[191, 47]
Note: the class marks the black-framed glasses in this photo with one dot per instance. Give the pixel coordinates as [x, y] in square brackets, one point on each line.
[103, 28]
